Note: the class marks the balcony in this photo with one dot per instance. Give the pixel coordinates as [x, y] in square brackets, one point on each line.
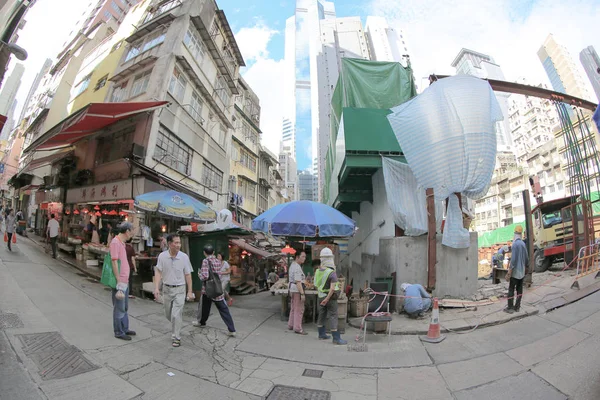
[226, 59]
[137, 63]
[157, 16]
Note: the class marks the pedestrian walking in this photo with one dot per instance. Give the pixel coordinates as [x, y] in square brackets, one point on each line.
[174, 268]
[52, 232]
[516, 272]
[132, 265]
[328, 289]
[118, 253]
[272, 278]
[11, 222]
[298, 298]
[225, 278]
[210, 261]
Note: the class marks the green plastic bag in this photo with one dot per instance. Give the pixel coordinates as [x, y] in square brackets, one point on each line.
[108, 276]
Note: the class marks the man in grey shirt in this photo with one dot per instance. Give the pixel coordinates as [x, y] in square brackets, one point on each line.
[175, 269]
[516, 273]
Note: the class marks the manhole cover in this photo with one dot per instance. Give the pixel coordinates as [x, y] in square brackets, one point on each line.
[313, 373]
[54, 357]
[43, 342]
[61, 364]
[281, 392]
[9, 321]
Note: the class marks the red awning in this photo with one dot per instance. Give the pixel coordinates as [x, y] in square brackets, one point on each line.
[88, 120]
[3, 119]
[43, 161]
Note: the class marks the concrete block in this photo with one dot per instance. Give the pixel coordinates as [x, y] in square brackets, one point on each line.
[420, 383]
[523, 386]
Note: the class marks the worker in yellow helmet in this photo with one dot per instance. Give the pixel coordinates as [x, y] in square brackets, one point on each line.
[327, 285]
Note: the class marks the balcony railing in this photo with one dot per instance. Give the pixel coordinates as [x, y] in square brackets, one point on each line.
[160, 10]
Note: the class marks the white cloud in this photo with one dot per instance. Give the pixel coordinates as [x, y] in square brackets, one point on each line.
[437, 31]
[265, 77]
[253, 42]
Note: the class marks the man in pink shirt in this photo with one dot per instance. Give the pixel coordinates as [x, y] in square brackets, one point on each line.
[118, 253]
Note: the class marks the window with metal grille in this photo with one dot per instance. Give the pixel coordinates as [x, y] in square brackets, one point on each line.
[177, 84]
[211, 176]
[222, 90]
[193, 42]
[83, 85]
[119, 92]
[173, 152]
[101, 83]
[140, 83]
[114, 146]
[195, 107]
[247, 160]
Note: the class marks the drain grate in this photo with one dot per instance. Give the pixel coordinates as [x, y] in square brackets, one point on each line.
[281, 392]
[61, 364]
[10, 321]
[54, 357]
[313, 373]
[43, 342]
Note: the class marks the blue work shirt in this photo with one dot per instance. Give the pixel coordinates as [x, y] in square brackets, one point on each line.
[414, 301]
[519, 259]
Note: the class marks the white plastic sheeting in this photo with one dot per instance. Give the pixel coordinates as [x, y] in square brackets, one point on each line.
[407, 199]
[448, 137]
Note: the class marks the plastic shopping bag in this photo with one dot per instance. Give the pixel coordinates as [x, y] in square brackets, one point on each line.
[108, 276]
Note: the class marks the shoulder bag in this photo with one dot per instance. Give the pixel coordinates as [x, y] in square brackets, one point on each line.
[212, 286]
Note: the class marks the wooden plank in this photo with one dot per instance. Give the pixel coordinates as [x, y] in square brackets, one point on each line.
[431, 241]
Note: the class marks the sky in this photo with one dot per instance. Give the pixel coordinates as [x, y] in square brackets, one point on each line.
[511, 31]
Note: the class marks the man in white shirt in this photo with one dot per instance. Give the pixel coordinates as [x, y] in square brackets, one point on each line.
[52, 232]
[174, 268]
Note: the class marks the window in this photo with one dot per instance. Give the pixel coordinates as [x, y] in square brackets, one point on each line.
[153, 41]
[222, 135]
[173, 152]
[193, 42]
[140, 83]
[107, 16]
[101, 83]
[177, 84]
[248, 133]
[83, 85]
[247, 160]
[117, 46]
[222, 90]
[118, 94]
[195, 107]
[211, 176]
[114, 146]
[247, 189]
[116, 7]
[133, 51]
[559, 186]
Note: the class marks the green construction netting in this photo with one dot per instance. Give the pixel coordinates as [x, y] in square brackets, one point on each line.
[366, 84]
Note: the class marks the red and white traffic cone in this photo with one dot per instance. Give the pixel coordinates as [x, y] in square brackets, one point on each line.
[433, 335]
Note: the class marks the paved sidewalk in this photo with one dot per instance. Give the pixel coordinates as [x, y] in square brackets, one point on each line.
[543, 356]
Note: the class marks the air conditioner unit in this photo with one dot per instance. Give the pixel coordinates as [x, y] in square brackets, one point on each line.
[137, 151]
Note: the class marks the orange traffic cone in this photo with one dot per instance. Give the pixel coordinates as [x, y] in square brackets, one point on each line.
[433, 335]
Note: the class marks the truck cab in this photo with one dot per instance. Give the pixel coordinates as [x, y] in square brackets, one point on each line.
[553, 231]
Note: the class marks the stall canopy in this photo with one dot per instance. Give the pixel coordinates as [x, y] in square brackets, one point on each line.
[88, 120]
[251, 249]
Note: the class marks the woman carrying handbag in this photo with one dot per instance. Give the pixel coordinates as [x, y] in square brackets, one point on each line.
[212, 290]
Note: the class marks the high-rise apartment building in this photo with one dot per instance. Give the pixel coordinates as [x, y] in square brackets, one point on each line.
[562, 72]
[8, 103]
[532, 120]
[315, 42]
[591, 64]
[483, 66]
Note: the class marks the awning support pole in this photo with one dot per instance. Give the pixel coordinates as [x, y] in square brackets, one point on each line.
[431, 241]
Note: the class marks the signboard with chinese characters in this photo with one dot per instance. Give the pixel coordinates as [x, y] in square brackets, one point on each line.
[109, 191]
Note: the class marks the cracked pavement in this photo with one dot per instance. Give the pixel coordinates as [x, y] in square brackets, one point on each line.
[546, 356]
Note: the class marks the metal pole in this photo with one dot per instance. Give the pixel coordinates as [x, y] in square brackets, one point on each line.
[530, 238]
[431, 240]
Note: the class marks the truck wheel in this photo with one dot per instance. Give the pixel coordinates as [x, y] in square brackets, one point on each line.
[541, 263]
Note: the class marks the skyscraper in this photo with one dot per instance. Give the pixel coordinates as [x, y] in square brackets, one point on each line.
[562, 71]
[591, 64]
[7, 98]
[386, 43]
[483, 66]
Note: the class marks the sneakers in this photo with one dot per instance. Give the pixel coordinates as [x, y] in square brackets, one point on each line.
[130, 333]
[509, 310]
[231, 334]
[124, 337]
[198, 324]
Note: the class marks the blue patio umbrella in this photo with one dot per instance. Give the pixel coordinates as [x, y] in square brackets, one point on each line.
[304, 219]
[175, 204]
